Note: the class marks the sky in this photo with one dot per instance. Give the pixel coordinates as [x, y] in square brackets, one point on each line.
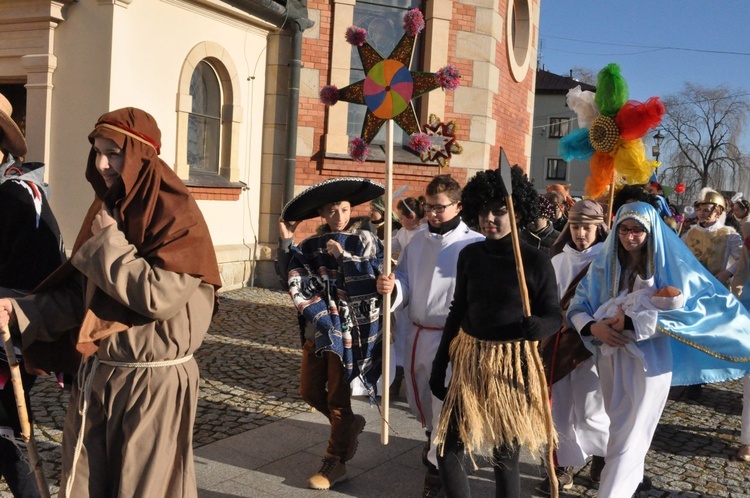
[659, 44]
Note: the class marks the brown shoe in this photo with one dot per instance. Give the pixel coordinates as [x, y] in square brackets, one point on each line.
[358, 425]
[744, 453]
[331, 472]
[564, 481]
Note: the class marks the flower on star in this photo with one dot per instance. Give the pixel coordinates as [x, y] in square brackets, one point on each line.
[389, 86]
[611, 132]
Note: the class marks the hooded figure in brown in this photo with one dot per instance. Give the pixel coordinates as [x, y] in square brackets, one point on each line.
[138, 293]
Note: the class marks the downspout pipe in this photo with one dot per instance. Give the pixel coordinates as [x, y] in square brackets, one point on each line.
[292, 15]
[290, 157]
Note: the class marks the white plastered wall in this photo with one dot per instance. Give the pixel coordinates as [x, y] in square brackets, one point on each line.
[113, 54]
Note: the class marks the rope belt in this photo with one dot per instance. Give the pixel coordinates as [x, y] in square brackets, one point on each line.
[85, 381]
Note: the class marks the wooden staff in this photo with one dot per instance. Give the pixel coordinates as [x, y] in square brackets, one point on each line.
[611, 201]
[23, 414]
[386, 340]
[507, 187]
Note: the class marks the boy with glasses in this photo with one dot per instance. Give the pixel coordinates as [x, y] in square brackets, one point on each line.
[425, 280]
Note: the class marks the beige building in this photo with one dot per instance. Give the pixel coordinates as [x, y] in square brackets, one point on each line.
[553, 119]
[199, 66]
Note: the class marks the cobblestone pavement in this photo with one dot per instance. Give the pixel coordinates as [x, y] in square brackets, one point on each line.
[250, 362]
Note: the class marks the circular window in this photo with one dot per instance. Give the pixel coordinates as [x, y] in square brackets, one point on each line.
[518, 37]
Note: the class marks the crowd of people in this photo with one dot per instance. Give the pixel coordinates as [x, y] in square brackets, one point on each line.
[577, 356]
[521, 320]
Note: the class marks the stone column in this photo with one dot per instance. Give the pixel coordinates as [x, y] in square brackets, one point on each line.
[39, 68]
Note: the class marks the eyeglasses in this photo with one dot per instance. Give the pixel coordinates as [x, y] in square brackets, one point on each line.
[636, 231]
[436, 208]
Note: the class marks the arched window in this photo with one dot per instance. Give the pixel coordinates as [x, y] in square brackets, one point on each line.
[204, 120]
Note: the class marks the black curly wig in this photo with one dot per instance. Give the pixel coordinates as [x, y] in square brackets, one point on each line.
[485, 188]
[633, 193]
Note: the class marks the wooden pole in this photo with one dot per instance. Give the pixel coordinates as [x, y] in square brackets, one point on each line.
[386, 340]
[23, 414]
[611, 200]
[517, 254]
[507, 181]
[526, 304]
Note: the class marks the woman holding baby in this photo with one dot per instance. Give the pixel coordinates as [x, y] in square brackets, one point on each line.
[645, 301]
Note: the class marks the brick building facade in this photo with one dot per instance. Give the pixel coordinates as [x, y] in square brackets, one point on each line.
[492, 42]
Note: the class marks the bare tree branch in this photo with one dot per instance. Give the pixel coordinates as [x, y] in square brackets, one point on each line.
[703, 127]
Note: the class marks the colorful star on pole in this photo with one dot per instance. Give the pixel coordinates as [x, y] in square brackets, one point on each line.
[389, 86]
[437, 143]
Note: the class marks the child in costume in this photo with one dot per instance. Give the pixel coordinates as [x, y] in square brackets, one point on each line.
[424, 281]
[377, 218]
[331, 279]
[541, 233]
[411, 216]
[740, 288]
[139, 293]
[665, 346]
[577, 406]
[497, 400]
[716, 245]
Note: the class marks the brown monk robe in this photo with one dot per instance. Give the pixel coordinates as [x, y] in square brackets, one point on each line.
[139, 291]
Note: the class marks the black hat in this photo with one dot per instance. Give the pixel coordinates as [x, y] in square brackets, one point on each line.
[355, 190]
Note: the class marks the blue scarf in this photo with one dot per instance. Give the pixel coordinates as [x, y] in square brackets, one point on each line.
[341, 300]
[710, 333]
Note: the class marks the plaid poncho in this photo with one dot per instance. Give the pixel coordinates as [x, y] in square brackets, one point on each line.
[340, 299]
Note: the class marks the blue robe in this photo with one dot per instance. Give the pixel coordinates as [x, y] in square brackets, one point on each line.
[710, 334]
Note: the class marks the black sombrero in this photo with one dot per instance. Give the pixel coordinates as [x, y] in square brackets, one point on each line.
[355, 190]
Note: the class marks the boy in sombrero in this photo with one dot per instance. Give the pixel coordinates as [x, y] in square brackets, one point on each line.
[331, 278]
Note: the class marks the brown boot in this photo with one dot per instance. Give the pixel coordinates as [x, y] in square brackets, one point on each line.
[358, 425]
[331, 472]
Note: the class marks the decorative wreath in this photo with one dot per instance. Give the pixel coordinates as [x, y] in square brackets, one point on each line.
[437, 142]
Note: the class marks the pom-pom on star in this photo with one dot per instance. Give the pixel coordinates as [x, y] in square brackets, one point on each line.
[359, 149]
[389, 86]
[413, 22]
[613, 139]
[442, 141]
[355, 36]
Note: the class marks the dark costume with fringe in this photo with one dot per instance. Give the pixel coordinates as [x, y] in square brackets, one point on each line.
[496, 399]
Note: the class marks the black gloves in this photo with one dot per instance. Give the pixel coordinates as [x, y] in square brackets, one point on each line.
[531, 328]
[437, 383]
[437, 377]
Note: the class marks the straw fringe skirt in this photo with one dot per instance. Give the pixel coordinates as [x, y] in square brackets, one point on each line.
[498, 396]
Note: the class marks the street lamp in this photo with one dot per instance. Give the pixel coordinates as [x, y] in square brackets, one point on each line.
[658, 138]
